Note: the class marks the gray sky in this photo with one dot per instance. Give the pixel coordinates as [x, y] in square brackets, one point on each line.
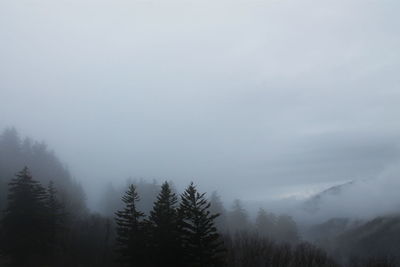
[255, 98]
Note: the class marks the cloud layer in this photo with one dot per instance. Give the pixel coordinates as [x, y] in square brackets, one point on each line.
[250, 97]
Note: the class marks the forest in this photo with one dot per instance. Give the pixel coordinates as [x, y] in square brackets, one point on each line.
[199, 133]
[45, 222]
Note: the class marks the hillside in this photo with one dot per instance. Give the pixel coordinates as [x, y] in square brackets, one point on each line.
[16, 153]
[377, 238]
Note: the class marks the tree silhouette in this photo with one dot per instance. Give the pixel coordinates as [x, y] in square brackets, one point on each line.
[16, 152]
[266, 223]
[164, 235]
[24, 222]
[238, 218]
[56, 217]
[286, 229]
[130, 235]
[201, 242]
[217, 207]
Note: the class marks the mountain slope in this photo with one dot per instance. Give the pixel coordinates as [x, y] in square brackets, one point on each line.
[44, 166]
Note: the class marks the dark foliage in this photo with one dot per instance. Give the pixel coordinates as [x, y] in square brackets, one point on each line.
[56, 223]
[110, 200]
[201, 243]
[36, 231]
[217, 207]
[131, 245]
[44, 166]
[24, 221]
[252, 250]
[51, 227]
[163, 229]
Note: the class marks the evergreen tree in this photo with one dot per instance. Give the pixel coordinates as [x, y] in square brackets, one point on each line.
[130, 231]
[238, 218]
[217, 207]
[3, 196]
[110, 200]
[56, 218]
[164, 233]
[201, 242]
[16, 152]
[286, 229]
[10, 153]
[24, 223]
[266, 223]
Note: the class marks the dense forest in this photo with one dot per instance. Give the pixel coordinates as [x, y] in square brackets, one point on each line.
[44, 221]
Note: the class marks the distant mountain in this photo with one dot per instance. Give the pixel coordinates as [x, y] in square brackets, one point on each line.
[327, 230]
[345, 238]
[312, 205]
[377, 238]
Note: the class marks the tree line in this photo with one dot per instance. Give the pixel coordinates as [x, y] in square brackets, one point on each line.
[32, 221]
[180, 230]
[16, 152]
[236, 218]
[172, 235]
[44, 221]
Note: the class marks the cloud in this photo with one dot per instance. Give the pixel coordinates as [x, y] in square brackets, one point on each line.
[249, 97]
[360, 199]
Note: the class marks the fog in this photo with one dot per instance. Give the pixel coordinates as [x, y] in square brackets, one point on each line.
[359, 200]
[207, 133]
[260, 100]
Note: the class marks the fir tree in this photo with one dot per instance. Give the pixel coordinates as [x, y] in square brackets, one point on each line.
[164, 233]
[286, 229]
[201, 242]
[130, 231]
[266, 223]
[55, 218]
[238, 218]
[217, 207]
[24, 223]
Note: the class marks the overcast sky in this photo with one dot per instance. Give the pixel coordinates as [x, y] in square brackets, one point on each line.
[255, 98]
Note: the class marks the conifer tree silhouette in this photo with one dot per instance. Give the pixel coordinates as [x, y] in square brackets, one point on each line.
[164, 235]
[201, 243]
[130, 231]
[24, 222]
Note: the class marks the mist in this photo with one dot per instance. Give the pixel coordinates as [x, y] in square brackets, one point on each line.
[269, 93]
[273, 102]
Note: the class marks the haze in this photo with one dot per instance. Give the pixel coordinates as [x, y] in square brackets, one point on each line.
[257, 99]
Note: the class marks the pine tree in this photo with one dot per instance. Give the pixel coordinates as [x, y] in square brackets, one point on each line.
[164, 233]
[55, 218]
[130, 231]
[24, 223]
[238, 218]
[201, 242]
[266, 223]
[286, 229]
[217, 207]
[10, 153]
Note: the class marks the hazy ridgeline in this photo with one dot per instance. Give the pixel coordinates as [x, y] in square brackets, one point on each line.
[45, 222]
[16, 153]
